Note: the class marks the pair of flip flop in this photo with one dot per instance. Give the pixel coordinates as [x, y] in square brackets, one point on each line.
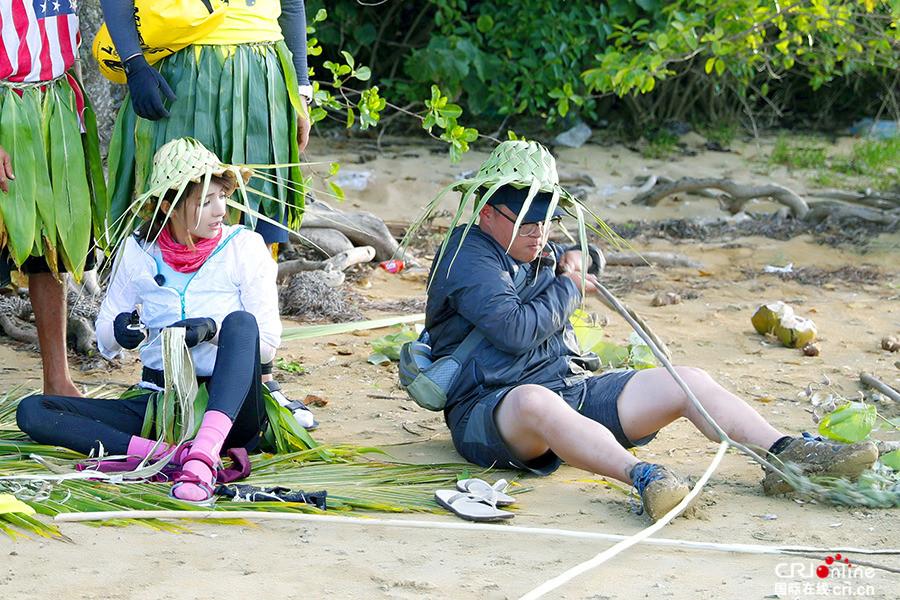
[477, 500]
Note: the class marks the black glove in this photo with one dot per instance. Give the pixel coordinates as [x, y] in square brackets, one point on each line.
[147, 86]
[125, 337]
[198, 330]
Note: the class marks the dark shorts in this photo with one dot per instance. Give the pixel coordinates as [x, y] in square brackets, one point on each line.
[478, 440]
[35, 264]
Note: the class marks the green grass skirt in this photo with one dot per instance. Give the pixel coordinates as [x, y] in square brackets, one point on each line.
[58, 195]
[241, 102]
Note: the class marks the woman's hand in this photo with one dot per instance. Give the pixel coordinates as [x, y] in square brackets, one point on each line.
[127, 336]
[197, 330]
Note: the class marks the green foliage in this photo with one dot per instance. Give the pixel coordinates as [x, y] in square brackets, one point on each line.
[334, 97]
[702, 61]
[892, 460]
[721, 132]
[634, 355]
[871, 163]
[746, 38]
[661, 144]
[872, 160]
[850, 423]
[797, 154]
[290, 366]
[387, 348]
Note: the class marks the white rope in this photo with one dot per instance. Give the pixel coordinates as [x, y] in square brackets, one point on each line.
[253, 515]
[601, 558]
[627, 543]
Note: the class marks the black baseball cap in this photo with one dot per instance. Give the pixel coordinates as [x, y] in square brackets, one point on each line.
[513, 198]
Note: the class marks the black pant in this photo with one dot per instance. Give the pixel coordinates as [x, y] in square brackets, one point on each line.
[82, 424]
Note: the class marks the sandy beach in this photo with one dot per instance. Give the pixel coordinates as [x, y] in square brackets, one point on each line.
[365, 406]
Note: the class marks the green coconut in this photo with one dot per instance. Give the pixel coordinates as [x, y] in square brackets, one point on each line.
[778, 319]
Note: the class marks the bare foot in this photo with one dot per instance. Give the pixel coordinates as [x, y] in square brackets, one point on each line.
[62, 388]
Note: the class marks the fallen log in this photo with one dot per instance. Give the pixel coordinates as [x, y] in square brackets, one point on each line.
[819, 211]
[647, 259]
[361, 228]
[18, 330]
[737, 194]
[875, 383]
[336, 264]
[328, 241]
[868, 198]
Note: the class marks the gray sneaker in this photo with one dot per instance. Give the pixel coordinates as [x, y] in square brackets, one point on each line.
[818, 457]
[659, 488]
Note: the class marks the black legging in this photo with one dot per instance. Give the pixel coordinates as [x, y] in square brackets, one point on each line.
[82, 424]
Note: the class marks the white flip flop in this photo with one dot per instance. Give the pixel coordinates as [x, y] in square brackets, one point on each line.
[470, 507]
[492, 494]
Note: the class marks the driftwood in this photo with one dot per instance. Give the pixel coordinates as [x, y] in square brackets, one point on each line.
[819, 211]
[736, 194]
[868, 198]
[329, 241]
[361, 228]
[875, 383]
[646, 259]
[335, 264]
[80, 332]
[18, 329]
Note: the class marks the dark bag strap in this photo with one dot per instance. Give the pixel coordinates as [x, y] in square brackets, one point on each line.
[471, 341]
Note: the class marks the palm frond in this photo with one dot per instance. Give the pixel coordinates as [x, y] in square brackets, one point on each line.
[313, 331]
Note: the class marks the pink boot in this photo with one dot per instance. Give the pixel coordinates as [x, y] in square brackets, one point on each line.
[195, 484]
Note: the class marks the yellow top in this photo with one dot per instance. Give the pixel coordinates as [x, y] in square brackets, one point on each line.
[247, 22]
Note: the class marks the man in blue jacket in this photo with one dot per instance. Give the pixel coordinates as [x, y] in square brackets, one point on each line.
[525, 399]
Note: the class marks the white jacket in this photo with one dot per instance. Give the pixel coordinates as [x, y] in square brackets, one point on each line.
[239, 275]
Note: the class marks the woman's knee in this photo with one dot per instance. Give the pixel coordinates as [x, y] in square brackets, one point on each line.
[29, 414]
[239, 320]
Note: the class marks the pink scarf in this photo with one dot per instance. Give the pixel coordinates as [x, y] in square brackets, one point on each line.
[185, 259]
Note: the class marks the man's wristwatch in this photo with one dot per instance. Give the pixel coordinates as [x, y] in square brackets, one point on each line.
[307, 92]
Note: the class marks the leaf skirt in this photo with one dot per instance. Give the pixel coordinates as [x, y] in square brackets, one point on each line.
[58, 197]
[241, 102]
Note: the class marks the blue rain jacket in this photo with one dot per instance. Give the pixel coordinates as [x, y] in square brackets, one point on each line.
[527, 336]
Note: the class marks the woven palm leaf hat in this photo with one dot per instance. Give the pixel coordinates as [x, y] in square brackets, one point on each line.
[185, 160]
[522, 165]
[176, 165]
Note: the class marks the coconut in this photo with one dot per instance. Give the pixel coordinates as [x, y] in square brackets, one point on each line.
[778, 319]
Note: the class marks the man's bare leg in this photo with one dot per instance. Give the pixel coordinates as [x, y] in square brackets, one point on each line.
[652, 399]
[48, 299]
[532, 420]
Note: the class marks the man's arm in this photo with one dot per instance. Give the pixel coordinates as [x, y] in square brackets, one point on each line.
[6, 172]
[293, 27]
[146, 85]
[493, 306]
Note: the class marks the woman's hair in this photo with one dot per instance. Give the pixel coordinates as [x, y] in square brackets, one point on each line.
[151, 228]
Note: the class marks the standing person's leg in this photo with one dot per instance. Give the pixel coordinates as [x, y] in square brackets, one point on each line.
[48, 299]
[85, 425]
[234, 411]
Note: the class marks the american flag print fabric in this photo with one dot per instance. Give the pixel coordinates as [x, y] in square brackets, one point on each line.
[39, 39]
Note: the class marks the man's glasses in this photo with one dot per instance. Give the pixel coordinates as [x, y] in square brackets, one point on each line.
[529, 229]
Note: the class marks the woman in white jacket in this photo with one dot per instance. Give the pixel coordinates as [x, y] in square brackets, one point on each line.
[183, 268]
